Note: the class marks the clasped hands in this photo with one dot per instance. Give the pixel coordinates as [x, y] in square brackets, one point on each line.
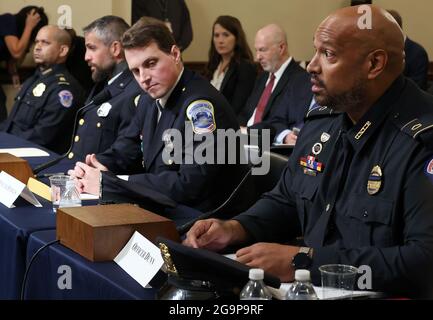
[87, 175]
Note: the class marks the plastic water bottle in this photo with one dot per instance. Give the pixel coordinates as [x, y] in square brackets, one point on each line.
[71, 196]
[255, 289]
[302, 289]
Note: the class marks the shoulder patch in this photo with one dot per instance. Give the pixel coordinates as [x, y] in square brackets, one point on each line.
[66, 98]
[429, 170]
[201, 115]
[320, 112]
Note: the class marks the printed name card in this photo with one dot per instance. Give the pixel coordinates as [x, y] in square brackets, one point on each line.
[11, 189]
[140, 258]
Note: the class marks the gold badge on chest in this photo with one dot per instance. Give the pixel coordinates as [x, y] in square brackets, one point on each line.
[374, 180]
[39, 90]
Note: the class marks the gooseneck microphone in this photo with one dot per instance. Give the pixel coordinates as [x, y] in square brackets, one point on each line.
[101, 97]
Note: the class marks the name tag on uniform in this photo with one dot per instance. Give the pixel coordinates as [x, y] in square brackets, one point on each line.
[104, 110]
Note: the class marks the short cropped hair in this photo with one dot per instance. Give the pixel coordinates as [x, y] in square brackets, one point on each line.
[108, 29]
[146, 31]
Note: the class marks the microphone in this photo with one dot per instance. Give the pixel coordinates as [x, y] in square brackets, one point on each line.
[101, 97]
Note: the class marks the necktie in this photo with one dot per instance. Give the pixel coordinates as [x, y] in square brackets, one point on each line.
[264, 100]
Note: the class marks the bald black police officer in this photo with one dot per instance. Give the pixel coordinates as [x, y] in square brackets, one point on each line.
[358, 185]
[177, 99]
[99, 125]
[46, 104]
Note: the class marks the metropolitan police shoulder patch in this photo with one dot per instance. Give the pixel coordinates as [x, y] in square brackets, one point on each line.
[66, 98]
[201, 115]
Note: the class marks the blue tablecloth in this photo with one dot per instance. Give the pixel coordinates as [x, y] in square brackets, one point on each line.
[90, 280]
[18, 223]
[16, 226]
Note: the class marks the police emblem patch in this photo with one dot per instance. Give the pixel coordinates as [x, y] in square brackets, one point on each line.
[374, 181]
[429, 168]
[201, 115]
[39, 90]
[66, 98]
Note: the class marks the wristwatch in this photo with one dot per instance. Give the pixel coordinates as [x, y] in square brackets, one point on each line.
[302, 260]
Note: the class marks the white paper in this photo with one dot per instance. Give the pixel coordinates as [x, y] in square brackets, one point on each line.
[280, 293]
[25, 152]
[140, 258]
[88, 196]
[11, 189]
[331, 295]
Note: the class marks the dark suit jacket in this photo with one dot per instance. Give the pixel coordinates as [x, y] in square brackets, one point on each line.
[238, 84]
[288, 103]
[202, 186]
[417, 63]
[174, 11]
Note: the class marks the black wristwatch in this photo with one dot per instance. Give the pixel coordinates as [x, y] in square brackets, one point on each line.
[302, 260]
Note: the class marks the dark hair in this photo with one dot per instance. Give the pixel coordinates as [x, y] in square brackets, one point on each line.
[397, 17]
[241, 51]
[108, 29]
[149, 30]
[21, 17]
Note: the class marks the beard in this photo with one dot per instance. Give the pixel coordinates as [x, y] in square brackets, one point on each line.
[101, 74]
[345, 101]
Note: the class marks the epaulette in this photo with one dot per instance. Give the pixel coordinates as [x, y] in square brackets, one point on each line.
[61, 79]
[320, 112]
[420, 128]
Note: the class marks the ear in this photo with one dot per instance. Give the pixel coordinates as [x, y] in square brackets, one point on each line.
[377, 62]
[176, 54]
[64, 50]
[116, 49]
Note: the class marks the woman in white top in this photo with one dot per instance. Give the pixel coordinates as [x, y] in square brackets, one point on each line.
[231, 68]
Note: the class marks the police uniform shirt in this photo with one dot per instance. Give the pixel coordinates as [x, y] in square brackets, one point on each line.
[45, 107]
[202, 186]
[100, 125]
[360, 194]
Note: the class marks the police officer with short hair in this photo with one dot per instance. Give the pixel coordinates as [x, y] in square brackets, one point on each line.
[359, 185]
[99, 125]
[46, 104]
[177, 99]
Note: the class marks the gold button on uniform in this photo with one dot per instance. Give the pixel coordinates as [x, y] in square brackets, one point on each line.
[70, 155]
[81, 122]
[77, 138]
[98, 125]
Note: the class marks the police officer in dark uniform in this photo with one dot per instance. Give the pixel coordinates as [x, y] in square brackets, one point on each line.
[46, 104]
[99, 125]
[357, 185]
[186, 104]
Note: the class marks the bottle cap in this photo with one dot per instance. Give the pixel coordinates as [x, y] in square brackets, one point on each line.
[256, 274]
[302, 275]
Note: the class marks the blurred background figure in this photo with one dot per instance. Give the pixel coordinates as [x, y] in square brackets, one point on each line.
[76, 63]
[174, 13]
[231, 68]
[417, 61]
[17, 33]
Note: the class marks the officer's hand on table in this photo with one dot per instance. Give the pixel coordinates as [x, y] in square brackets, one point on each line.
[290, 139]
[213, 234]
[87, 176]
[93, 162]
[271, 257]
